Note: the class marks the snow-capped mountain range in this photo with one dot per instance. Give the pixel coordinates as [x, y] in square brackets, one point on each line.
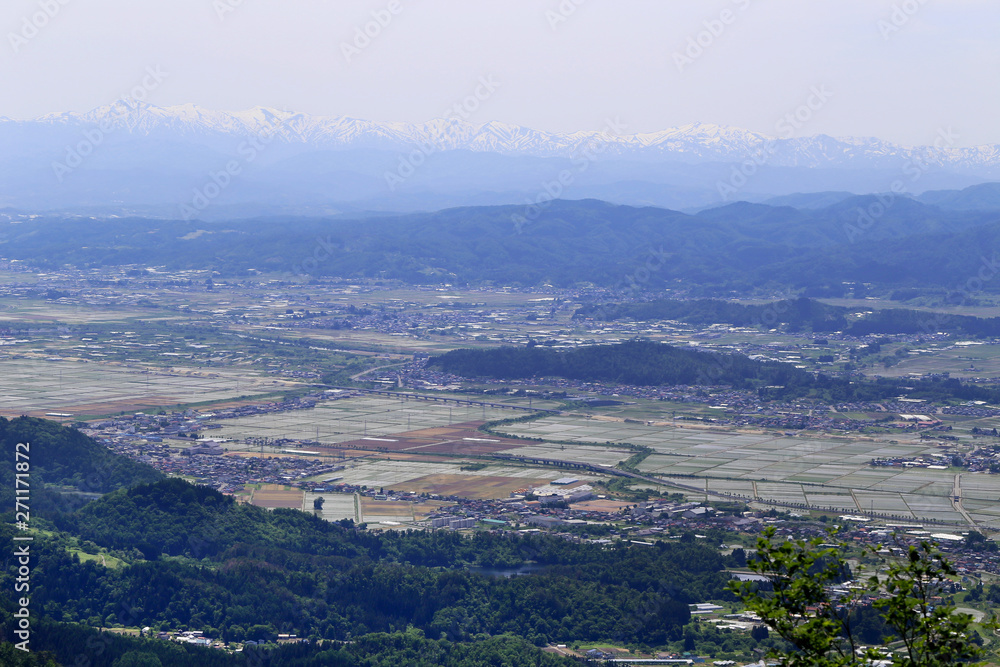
[694, 142]
[137, 157]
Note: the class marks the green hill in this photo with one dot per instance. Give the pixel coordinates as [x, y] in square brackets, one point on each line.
[735, 247]
[61, 457]
[637, 363]
[249, 573]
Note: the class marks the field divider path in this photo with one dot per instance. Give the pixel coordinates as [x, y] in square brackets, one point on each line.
[426, 444]
[956, 501]
[857, 503]
[357, 376]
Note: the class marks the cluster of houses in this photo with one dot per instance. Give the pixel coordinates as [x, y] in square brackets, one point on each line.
[640, 520]
[985, 458]
[203, 458]
[933, 461]
[735, 408]
[232, 474]
[188, 424]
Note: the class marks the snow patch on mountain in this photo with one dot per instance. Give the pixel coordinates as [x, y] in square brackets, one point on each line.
[697, 142]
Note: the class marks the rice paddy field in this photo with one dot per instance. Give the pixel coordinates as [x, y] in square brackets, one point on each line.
[418, 446]
[596, 455]
[906, 507]
[37, 386]
[359, 418]
[828, 473]
[336, 506]
[446, 478]
[963, 359]
[831, 474]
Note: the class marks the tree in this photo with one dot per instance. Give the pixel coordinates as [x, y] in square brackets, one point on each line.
[137, 659]
[318, 503]
[802, 607]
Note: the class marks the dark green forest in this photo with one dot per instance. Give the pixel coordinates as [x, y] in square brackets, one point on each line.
[646, 363]
[70, 644]
[63, 464]
[242, 565]
[636, 362]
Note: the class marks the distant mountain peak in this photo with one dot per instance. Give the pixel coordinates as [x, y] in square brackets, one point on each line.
[693, 142]
[697, 142]
[129, 154]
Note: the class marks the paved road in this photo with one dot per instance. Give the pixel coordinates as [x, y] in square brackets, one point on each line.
[956, 500]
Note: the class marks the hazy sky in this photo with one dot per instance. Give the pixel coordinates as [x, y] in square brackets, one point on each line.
[901, 70]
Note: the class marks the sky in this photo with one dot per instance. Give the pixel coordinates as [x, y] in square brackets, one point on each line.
[901, 70]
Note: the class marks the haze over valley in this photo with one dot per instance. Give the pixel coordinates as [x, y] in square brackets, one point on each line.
[526, 334]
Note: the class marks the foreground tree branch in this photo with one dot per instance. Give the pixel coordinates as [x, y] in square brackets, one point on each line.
[809, 600]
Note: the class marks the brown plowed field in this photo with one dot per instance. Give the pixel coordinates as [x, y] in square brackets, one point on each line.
[479, 487]
[458, 439]
[273, 496]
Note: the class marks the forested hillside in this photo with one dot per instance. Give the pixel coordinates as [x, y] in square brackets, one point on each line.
[286, 569]
[70, 645]
[63, 457]
[737, 247]
[636, 363]
[655, 364]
